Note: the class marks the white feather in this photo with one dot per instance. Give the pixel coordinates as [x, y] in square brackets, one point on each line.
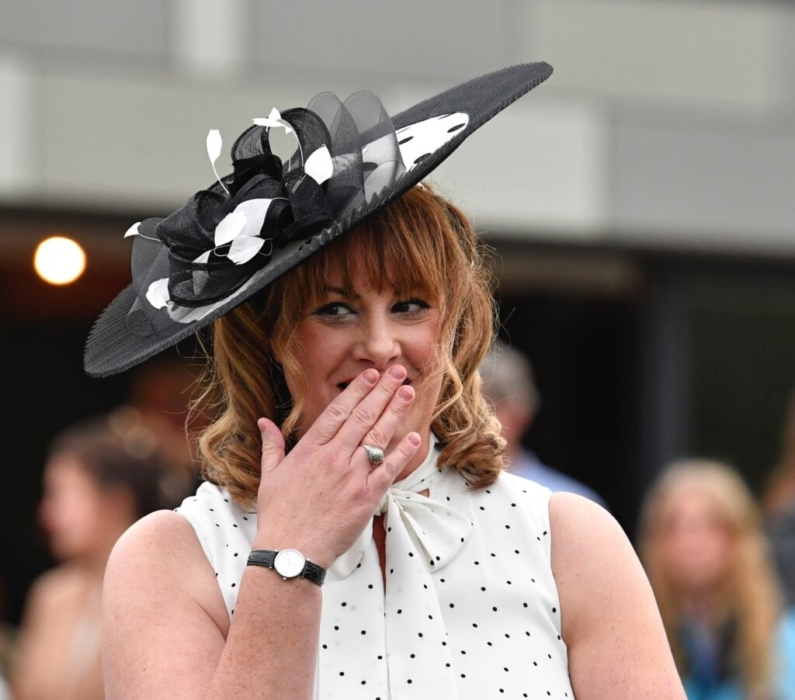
[133, 230]
[204, 257]
[230, 227]
[255, 211]
[214, 145]
[274, 119]
[319, 165]
[157, 294]
[244, 248]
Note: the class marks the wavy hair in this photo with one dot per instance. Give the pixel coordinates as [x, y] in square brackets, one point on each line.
[750, 595]
[419, 242]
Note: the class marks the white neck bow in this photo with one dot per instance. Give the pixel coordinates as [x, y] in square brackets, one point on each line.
[429, 529]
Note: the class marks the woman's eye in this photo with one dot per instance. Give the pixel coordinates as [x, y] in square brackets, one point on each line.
[335, 309]
[410, 306]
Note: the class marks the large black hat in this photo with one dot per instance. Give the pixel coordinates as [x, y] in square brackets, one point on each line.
[234, 238]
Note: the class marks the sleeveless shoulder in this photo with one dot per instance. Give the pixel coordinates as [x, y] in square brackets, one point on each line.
[225, 531]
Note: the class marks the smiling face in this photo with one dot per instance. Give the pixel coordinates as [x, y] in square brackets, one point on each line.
[408, 286]
[346, 331]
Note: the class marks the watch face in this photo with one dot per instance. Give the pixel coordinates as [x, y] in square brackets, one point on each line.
[289, 563]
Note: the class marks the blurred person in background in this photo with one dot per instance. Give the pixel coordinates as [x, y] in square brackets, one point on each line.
[96, 484]
[155, 417]
[703, 546]
[779, 506]
[508, 383]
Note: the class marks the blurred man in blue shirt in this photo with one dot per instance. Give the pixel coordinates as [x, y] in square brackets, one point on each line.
[508, 384]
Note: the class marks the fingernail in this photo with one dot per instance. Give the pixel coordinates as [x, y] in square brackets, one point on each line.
[397, 372]
[406, 393]
[370, 376]
[414, 439]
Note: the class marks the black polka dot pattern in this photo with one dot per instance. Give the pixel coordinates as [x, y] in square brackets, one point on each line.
[481, 621]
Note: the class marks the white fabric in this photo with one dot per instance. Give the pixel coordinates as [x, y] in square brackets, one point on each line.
[470, 610]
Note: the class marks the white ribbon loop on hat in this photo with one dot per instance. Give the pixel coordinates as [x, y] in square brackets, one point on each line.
[436, 530]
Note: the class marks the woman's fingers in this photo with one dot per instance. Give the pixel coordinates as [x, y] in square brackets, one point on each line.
[272, 445]
[376, 415]
[354, 413]
[383, 476]
[381, 434]
[340, 409]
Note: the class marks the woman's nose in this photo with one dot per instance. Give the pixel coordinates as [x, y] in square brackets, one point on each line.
[379, 343]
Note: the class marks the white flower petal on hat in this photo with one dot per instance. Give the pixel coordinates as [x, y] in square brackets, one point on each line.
[244, 248]
[319, 165]
[157, 294]
[230, 227]
[274, 119]
[204, 257]
[133, 230]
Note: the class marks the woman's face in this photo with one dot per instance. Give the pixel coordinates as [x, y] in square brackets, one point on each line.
[341, 336]
[71, 510]
[81, 519]
[698, 548]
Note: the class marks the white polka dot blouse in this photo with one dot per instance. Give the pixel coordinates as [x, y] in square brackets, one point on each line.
[470, 610]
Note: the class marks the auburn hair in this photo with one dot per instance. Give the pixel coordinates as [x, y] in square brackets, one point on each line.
[419, 242]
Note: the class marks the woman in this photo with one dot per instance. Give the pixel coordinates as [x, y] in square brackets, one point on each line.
[705, 553]
[353, 445]
[96, 484]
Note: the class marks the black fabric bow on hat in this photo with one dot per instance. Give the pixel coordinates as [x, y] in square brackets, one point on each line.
[225, 233]
[284, 202]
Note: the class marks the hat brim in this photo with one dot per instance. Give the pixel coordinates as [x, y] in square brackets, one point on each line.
[112, 345]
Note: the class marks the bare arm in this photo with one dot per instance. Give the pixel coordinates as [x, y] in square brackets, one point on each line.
[166, 629]
[611, 625]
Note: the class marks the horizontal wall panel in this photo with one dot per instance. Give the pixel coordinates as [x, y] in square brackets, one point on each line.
[94, 25]
[539, 165]
[128, 144]
[707, 186]
[658, 49]
[411, 37]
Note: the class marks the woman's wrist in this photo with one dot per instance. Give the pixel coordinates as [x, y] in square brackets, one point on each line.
[317, 554]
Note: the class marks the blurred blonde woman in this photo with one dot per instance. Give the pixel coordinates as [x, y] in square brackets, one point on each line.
[703, 547]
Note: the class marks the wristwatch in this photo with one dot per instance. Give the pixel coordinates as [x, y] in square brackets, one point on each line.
[288, 563]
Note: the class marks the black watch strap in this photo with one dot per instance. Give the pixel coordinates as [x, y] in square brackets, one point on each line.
[314, 573]
[267, 557]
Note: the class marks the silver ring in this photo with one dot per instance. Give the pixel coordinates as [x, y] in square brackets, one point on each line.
[374, 454]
